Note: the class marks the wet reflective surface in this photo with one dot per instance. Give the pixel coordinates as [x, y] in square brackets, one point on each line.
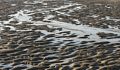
[59, 35]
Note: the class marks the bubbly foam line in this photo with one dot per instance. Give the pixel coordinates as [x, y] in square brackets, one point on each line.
[81, 28]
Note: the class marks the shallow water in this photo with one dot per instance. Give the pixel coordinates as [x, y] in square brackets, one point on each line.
[51, 37]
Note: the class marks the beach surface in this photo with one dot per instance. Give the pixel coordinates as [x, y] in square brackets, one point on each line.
[59, 35]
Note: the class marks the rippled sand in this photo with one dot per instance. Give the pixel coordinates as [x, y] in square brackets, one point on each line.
[60, 35]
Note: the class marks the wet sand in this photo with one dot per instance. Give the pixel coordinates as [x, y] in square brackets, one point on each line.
[60, 35]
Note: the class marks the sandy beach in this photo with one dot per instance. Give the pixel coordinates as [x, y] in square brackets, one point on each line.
[59, 35]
